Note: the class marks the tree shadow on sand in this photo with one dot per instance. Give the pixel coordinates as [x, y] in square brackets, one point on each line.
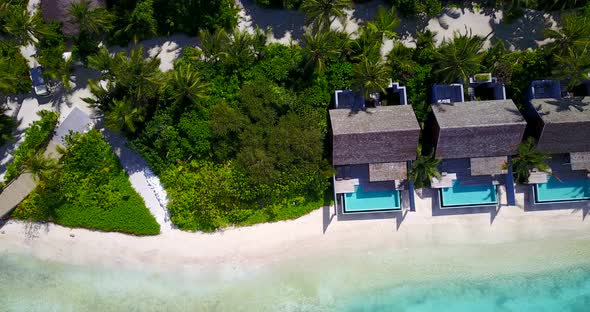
[280, 21]
[526, 31]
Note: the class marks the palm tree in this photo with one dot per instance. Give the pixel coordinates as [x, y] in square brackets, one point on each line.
[260, 39]
[239, 52]
[368, 44]
[425, 39]
[40, 166]
[370, 75]
[140, 76]
[90, 20]
[25, 28]
[186, 85]
[213, 44]
[318, 49]
[458, 59]
[141, 22]
[101, 61]
[123, 116]
[320, 14]
[574, 31]
[384, 23]
[424, 169]
[401, 62]
[55, 66]
[7, 125]
[102, 92]
[527, 159]
[8, 81]
[573, 66]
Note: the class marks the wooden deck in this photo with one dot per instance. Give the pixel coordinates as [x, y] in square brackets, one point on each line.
[359, 175]
[460, 170]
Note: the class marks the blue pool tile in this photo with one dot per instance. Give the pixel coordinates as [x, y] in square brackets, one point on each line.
[468, 195]
[557, 191]
[361, 201]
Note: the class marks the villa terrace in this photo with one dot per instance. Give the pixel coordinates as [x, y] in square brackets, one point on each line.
[474, 141]
[371, 147]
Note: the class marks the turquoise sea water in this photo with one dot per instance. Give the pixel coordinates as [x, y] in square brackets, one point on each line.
[555, 190]
[361, 201]
[27, 284]
[563, 290]
[461, 195]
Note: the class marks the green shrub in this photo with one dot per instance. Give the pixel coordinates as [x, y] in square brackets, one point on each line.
[36, 137]
[413, 7]
[7, 125]
[287, 4]
[91, 191]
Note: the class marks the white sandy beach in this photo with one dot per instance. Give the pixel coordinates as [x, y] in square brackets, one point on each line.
[252, 248]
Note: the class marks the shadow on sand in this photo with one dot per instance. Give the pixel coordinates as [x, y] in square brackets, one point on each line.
[280, 21]
[493, 210]
[399, 217]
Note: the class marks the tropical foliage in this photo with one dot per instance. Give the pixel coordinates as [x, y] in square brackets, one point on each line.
[50, 55]
[320, 14]
[90, 190]
[572, 33]
[460, 58]
[36, 138]
[415, 7]
[527, 159]
[424, 169]
[133, 87]
[7, 125]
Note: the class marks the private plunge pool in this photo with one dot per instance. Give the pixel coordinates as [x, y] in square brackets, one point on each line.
[562, 191]
[468, 195]
[364, 201]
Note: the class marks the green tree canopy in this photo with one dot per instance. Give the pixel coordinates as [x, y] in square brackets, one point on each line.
[90, 20]
[527, 159]
[460, 58]
[574, 32]
[573, 66]
[320, 14]
[370, 75]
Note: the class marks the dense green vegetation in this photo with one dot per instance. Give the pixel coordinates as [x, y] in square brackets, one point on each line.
[239, 115]
[527, 159]
[7, 125]
[89, 190]
[137, 20]
[16, 28]
[237, 131]
[36, 138]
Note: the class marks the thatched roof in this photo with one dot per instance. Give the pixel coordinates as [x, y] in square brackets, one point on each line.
[580, 161]
[375, 135]
[488, 165]
[566, 124]
[56, 10]
[478, 129]
[388, 171]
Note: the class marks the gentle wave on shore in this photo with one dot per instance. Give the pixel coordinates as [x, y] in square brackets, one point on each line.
[541, 275]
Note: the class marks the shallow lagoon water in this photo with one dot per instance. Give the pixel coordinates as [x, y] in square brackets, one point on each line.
[465, 278]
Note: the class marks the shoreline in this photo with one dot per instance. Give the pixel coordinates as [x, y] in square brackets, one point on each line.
[417, 239]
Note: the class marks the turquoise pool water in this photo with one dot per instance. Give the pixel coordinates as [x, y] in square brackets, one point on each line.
[361, 201]
[470, 195]
[556, 191]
